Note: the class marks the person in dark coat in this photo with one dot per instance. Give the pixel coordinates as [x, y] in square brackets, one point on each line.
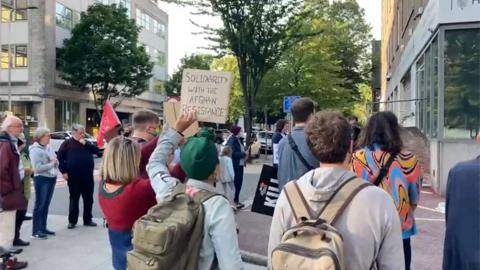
[238, 157]
[11, 189]
[462, 236]
[76, 163]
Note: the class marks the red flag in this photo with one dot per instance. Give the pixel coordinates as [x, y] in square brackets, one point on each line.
[108, 123]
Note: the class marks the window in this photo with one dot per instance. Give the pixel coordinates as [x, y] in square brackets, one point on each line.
[19, 55]
[21, 59]
[128, 5]
[138, 17]
[158, 28]
[160, 58]
[66, 17]
[462, 83]
[145, 21]
[66, 114]
[19, 15]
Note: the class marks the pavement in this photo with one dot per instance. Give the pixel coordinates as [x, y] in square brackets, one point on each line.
[88, 248]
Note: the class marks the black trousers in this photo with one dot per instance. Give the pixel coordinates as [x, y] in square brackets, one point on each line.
[407, 250]
[238, 180]
[20, 217]
[80, 186]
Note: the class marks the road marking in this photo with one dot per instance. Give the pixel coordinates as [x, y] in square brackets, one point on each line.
[430, 209]
[426, 192]
[430, 219]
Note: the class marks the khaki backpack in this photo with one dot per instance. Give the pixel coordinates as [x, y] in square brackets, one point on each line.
[315, 244]
[170, 235]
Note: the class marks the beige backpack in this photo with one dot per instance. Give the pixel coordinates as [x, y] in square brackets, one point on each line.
[314, 243]
[170, 235]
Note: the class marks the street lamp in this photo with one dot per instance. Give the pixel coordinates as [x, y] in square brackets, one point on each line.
[10, 61]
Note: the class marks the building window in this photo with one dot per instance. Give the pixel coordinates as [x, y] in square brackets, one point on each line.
[146, 21]
[158, 28]
[66, 17]
[462, 83]
[128, 5]
[67, 113]
[8, 5]
[160, 58]
[19, 55]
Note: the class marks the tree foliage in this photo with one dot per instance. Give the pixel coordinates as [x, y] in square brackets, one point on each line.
[329, 67]
[256, 33]
[236, 106]
[193, 61]
[103, 55]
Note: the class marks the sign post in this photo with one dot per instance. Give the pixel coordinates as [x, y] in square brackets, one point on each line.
[207, 93]
[288, 102]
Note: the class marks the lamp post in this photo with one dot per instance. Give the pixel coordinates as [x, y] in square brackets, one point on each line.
[10, 60]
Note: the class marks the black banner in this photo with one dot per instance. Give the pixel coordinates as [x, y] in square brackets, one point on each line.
[267, 192]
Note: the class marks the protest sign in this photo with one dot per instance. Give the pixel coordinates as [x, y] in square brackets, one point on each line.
[171, 112]
[267, 192]
[207, 93]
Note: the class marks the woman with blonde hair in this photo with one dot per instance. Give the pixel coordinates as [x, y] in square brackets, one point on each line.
[226, 174]
[124, 196]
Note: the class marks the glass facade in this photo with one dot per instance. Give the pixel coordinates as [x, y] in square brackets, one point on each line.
[19, 55]
[66, 17]
[427, 91]
[19, 15]
[462, 83]
[67, 113]
[451, 97]
[148, 23]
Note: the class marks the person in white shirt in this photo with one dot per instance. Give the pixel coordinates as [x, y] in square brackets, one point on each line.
[225, 185]
[369, 225]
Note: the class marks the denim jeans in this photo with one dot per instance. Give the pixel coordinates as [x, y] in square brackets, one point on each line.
[44, 187]
[121, 243]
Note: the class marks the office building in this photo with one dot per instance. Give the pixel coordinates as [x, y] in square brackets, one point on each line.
[39, 96]
[431, 75]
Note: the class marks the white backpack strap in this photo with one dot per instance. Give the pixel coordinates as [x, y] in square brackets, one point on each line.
[298, 204]
[341, 198]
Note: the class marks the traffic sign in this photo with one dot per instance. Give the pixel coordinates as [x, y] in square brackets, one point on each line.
[288, 102]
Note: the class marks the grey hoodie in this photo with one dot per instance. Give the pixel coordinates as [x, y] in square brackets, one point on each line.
[369, 225]
[42, 163]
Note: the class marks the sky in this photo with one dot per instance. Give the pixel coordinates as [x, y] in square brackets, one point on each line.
[182, 41]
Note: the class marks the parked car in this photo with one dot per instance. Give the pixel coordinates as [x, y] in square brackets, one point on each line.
[59, 137]
[265, 139]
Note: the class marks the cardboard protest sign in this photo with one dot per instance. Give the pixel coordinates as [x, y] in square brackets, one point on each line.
[171, 112]
[207, 93]
[267, 192]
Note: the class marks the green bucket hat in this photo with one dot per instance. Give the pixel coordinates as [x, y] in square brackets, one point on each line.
[199, 156]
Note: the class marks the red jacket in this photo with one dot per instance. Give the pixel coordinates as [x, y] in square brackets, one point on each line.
[10, 183]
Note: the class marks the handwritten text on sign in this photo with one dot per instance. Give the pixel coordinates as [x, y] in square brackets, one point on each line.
[207, 93]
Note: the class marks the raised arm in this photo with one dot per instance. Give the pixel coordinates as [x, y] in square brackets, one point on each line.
[162, 182]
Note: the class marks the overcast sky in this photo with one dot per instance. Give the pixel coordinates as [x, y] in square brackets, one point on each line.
[182, 41]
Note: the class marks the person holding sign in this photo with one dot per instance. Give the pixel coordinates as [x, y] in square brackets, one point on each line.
[238, 157]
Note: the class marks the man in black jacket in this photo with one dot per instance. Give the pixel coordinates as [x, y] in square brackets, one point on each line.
[76, 163]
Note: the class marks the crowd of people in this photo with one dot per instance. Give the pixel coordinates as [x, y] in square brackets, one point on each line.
[162, 181]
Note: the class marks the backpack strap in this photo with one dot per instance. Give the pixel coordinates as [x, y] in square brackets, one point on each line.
[341, 198]
[298, 204]
[384, 170]
[295, 149]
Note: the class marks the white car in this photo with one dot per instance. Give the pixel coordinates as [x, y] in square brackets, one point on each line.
[57, 138]
[254, 147]
[265, 139]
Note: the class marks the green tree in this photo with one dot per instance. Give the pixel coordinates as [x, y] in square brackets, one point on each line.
[349, 40]
[193, 61]
[236, 106]
[256, 33]
[103, 56]
[328, 67]
[360, 108]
